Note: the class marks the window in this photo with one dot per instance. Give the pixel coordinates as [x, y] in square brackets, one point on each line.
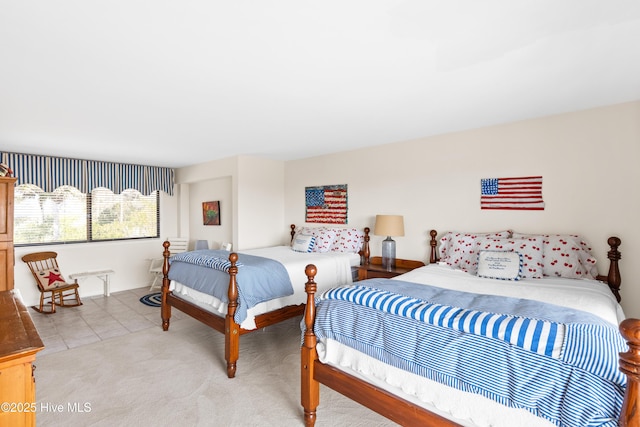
[69, 216]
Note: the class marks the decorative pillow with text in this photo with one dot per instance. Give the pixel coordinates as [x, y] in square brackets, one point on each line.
[303, 243]
[503, 265]
[530, 248]
[459, 249]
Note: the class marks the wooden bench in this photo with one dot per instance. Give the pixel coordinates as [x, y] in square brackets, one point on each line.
[101, 274]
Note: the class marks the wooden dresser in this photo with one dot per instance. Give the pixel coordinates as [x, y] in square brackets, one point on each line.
[19, 343]
[19, 340]
[6, 233]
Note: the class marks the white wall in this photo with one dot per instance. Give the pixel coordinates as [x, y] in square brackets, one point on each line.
[588, 160]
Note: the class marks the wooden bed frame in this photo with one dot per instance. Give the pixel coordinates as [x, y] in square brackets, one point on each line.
[314, 372]
[227, 325]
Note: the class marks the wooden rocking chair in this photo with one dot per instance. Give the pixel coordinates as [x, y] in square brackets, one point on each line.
[54, 290]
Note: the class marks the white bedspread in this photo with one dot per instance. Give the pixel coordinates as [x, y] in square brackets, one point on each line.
[462, 407]
[334, 269]
[582, 294]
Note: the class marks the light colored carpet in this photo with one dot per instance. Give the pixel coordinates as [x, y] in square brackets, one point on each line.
[178, 378]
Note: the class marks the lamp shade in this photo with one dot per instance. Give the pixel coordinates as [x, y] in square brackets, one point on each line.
[389, 225]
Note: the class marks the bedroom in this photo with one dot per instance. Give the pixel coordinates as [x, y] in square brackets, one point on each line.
[586, 154]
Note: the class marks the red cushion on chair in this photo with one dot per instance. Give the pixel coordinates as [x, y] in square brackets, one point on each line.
[51, 279]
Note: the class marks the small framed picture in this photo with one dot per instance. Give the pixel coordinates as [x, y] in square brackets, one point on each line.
[211, 213]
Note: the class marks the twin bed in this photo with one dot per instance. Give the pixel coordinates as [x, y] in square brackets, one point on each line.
[478, 348]
[237, 293]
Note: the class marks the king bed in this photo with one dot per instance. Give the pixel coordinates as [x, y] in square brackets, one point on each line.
[239, 292]
[484, 335]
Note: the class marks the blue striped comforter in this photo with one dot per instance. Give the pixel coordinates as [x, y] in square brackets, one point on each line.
[557, 363]
[259, 279]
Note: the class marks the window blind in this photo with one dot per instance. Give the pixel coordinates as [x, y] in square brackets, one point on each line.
[49, 173]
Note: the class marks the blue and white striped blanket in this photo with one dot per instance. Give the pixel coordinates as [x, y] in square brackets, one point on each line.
[259, 279]
[557, 363]
[218, 260]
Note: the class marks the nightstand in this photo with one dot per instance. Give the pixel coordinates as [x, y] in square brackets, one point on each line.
[375, 269]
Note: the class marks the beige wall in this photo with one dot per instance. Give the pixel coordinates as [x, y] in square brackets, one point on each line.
[260, 202]
[253, 188]
[211, 190]
[588, 160]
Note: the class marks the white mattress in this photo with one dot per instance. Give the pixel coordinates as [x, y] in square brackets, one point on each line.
[334, 269]
[465, 408]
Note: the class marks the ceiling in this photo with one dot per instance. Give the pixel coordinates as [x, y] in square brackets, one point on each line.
[180, 82]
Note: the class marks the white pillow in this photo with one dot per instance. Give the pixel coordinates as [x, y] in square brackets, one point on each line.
[503, 265]
[303, 243]
[325, 238]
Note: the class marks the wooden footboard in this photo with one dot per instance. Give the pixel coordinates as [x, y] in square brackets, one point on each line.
[313, 372]
[227, 324]
[630, 366]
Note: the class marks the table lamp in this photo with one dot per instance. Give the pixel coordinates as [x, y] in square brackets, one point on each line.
[389, 225]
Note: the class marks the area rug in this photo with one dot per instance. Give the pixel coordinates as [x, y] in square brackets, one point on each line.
[153, 300]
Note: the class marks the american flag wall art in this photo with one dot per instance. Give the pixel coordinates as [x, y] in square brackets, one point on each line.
[523, 193]
[326, 204]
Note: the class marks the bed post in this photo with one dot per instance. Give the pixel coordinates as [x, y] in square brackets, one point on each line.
[310, 388]
[613, 277]
[365, 253]
[231, 328]
[433, 244]
[165, 311]
[630, 366]
[293, 232]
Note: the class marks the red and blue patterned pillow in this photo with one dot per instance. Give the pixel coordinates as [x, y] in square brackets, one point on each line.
[51, 279]
[348, 240]
[334, 239]
[566, 255]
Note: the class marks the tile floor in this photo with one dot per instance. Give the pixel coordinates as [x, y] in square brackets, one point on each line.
[99, 318]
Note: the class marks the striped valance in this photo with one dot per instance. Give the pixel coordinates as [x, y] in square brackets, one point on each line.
[50, 173]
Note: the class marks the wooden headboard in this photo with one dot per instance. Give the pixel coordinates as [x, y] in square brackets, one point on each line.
[612, 278]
